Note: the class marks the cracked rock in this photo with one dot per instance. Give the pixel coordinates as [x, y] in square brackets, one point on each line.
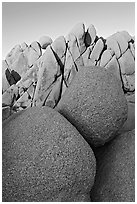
[49, 71]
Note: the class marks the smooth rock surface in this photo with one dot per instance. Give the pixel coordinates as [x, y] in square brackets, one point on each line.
[115, 177]
[20, 64]
[112, 44]
[45, 159]
[95, 54]
[44, 41]
[127, 63]
[13, 54]
[32, 54]
[95, 104]
[79, 32]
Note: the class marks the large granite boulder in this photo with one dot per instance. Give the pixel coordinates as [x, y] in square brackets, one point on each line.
[95, 104]
[45, 158]
[115, 177]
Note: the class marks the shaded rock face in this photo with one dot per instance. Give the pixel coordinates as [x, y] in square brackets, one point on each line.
[115, 177]
[45, 158]
[95, 104]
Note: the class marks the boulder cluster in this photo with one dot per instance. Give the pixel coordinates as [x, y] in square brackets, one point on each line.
[68, 119]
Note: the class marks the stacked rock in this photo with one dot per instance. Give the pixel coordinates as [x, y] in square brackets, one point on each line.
[31, 78]
[68, 106]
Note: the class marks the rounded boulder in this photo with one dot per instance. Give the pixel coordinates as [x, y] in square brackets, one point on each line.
[115, 176]
[44, 41]
[45, 159]
[95, 104]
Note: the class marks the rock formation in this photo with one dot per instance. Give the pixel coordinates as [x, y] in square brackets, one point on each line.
[88, 78]
[54, 70]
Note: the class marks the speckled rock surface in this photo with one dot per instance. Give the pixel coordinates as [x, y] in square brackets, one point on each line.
[130, 122]
[45, 158]
[115, 177]
[95, 104]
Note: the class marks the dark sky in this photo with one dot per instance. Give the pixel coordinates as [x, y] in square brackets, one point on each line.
[27, 22]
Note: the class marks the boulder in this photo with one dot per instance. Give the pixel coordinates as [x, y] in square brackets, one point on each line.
[20, 64]
[49, 71]
[97, 50]
[13, 55]
[36, 46]
[79, 32]
[95, 104]
[128, 82]
[32, 53]
[59, 49]
[115, 176]
[44, 41]
[10, 95]
[112, 44]
[127, 63]
[114, 66]
[45, 159]
[70, 69]
[105, 57]
[130, 122]
[90, 35]
[122, 41]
